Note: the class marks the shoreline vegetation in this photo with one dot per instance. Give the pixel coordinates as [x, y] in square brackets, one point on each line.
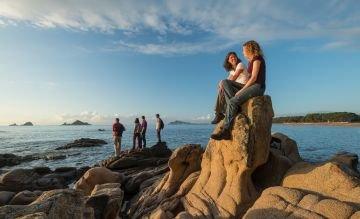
[326, 119]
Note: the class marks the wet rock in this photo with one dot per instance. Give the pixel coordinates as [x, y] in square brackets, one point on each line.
[330, 179]
[97, 176]
[5, 197]
[13, 160]
[24, 198]
[224, 188]
[281, 202]
[83, 142]
[39, 178]
[63, 203]
[349, 159]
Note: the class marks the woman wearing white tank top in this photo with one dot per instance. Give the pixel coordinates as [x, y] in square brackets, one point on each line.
[238, 74]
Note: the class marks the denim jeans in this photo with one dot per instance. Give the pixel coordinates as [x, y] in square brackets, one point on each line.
[234, 102]
[220, 105]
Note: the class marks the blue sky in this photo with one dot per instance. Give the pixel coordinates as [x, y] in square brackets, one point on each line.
[95, 60]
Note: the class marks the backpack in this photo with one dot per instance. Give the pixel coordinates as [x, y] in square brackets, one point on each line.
[162, 125]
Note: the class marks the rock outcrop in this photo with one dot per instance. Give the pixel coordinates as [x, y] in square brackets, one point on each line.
[97, 176]
[330, 179]
[65, 204]
[281, 202]
[184, 165]
[106, 200]
[13, 160]
[224, 188]
[39, 178]
[154, 156]
[283, 155]
[83, 142]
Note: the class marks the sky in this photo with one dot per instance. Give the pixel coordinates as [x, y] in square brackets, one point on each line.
[96, 60]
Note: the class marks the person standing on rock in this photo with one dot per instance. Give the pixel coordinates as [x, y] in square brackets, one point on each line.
[238, 76]
[159, 127]
[255, 86]
[143, 130]
[118, 129]
[137, 134]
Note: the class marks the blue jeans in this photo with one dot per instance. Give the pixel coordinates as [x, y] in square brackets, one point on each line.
[234, 102]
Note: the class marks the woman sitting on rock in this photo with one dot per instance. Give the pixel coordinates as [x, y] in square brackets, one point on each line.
[238, 76]
[255, 86]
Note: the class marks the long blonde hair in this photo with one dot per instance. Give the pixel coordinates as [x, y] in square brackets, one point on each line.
[254, 48]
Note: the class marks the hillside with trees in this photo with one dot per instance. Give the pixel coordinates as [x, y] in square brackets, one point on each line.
[320, 117]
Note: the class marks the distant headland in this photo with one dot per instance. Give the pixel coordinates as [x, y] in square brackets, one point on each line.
[336, 117]
[25, 124]
[178, 122]
[77, 122]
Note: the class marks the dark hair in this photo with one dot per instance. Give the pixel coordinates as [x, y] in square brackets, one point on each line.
[157, 115]
[117, 119]
[227, 65]
[137, 120]
[254, 48]
[143, 117]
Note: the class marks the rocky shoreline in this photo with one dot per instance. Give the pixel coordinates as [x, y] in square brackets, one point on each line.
[256, 174]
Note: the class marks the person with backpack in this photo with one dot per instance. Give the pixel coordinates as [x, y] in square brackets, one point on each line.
[118, 129]
[159, 126]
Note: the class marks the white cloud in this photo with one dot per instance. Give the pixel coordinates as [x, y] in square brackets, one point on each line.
[191, 26]
[204, 118]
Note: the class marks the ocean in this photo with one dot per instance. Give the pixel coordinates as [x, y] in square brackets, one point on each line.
[315, 142]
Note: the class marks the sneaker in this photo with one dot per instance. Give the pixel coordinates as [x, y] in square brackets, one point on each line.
[218, 118]
[224, 134]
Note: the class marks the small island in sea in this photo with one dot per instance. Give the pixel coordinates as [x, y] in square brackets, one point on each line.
[77, 122]
[178, 122]
[27, 124]
[14, 124]
[321, 118]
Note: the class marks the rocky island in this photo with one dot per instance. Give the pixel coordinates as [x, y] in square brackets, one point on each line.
[77, 122]
[255, 174]
[177, 122]
[14, 124]
[27, 124]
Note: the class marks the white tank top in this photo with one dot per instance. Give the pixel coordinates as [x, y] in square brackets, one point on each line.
[243, 76]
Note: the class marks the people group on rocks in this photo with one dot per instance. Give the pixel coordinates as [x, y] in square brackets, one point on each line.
[139, 133]
[241, 85]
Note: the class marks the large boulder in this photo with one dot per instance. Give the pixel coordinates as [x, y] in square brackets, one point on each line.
[329, 179]
[5, 197]
[165, 196]
[62, 203]
[224, 188]
[106, 200]
[13, 160]
[349, 159]
[24, 197]
[38, 178]
[154, 156]
[97, 176]
[287, 146]
[283, 154]
[281, 202]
